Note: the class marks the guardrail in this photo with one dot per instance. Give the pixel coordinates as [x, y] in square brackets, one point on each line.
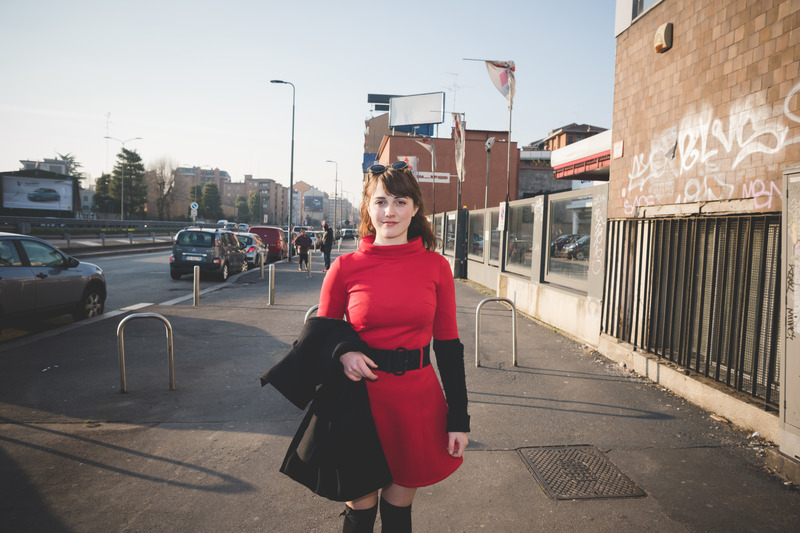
[121, 348]
[478, 329]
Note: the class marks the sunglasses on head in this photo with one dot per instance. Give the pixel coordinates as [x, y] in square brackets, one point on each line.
[379, 169]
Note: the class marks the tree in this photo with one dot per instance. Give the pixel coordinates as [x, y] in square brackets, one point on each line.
[162, 186]
[256, 209]
[242, 210]
[73, 168]
[210, 202]
[102, 201]
[129, 166]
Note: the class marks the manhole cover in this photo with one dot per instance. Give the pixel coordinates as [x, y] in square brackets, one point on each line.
[578, 473]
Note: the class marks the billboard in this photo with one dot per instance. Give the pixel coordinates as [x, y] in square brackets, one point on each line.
[416, 109]
[20, 192]
[312, 203]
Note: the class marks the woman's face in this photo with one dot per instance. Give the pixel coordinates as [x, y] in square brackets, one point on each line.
[391, 216]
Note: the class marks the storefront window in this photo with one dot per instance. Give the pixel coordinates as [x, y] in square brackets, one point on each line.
[494, 251]
[520, 236]
[569, 227]
[475, 243]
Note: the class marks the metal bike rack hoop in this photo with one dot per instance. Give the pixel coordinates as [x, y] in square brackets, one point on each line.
[478, 329]
[309, 313]
[121, 347]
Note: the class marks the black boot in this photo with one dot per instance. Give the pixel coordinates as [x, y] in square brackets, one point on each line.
[395, 519]
[359, 520]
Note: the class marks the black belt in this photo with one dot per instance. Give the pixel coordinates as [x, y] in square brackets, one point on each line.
[401, 360]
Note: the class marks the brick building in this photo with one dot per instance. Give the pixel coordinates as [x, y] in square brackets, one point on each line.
[706, 124]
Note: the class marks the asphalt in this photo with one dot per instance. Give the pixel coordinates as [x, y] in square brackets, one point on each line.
[77, 455]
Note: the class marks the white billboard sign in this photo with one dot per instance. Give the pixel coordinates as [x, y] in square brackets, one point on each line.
[37, 193]
[416, 109]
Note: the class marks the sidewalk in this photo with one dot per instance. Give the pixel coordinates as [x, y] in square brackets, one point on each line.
[78, 456]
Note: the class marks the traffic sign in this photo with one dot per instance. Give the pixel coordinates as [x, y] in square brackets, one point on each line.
[194, 205]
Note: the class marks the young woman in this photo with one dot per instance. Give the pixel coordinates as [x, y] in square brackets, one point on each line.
[398, 294]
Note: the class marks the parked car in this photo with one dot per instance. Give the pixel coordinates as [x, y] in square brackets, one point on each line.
[44, 194]
[37, 280]
[253, 246]
[578, 249]
[349, 234]
[275, 240]
[557, 246]
[215, 251]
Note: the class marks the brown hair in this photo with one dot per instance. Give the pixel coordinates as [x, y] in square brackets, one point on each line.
[403, 184]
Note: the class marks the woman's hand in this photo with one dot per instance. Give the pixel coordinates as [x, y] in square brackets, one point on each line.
[357, 366]
[456, 444]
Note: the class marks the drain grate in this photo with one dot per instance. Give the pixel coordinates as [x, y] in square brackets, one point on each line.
[578, 473]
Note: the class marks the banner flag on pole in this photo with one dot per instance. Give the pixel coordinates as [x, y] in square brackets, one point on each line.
[502, 74]
[458, 134]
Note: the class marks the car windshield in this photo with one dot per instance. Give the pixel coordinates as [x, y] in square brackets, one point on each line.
[195, 238]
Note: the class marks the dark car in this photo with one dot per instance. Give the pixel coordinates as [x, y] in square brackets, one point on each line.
[275, 239]
[557, 246]
[37, 280]
[215, 251]
[578, 249]
[44, 194]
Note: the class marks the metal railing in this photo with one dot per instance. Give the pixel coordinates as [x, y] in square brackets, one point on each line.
[309, 313]
[121, 347]
[701, 292]
[478, 328]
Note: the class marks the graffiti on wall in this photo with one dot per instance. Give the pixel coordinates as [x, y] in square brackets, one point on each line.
[709, 151]
[599, 216]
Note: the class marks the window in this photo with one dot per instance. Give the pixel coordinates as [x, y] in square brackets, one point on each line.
[569, 227]
[494, 250]
[42, 255]
[520, 236]
[450, 234]
[437, 230]
[8, 254]
[475, 243]
[640, 6]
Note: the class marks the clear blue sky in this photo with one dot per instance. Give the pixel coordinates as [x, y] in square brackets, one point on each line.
[192, 78]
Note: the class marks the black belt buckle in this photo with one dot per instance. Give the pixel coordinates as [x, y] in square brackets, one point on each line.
[399, 363]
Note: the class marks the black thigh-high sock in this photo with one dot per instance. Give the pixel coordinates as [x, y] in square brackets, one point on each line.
[359, 520]
[395, 519]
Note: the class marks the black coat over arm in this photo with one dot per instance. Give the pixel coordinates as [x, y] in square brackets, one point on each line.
[336, 451]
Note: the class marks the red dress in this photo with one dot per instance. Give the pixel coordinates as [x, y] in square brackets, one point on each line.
[400, 296]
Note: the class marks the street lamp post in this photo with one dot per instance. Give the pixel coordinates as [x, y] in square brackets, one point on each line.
[291, 167]
[122, 177]
[335, 181]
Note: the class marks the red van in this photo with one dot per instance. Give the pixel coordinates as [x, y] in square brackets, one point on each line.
[274, 239]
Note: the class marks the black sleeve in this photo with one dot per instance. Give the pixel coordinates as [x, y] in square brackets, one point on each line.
[450, 361]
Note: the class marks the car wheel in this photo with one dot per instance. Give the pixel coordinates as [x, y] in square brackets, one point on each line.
[91, 304]
[175, 275]
[223, 272]
[580, 255]
[245, 266]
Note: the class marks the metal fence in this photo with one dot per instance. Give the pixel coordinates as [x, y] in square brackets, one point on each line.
[702, 292]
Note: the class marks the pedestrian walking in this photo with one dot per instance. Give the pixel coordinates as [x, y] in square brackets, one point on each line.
[302, 242]
[398, 294]
[327, 244]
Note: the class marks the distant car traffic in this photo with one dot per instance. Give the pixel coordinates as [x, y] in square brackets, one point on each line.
[44, 194]
[253, 248]
[38, 280]
[215, 251]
